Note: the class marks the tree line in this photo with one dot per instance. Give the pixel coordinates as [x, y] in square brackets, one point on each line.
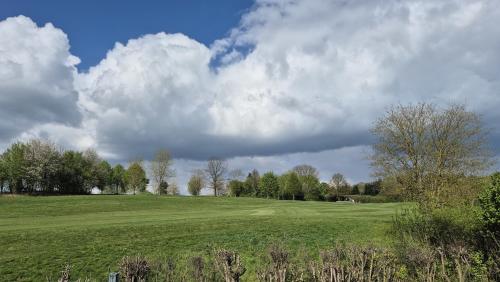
[302, 182]
[40, 167]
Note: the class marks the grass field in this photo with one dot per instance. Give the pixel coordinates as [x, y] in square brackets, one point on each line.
[39, 235]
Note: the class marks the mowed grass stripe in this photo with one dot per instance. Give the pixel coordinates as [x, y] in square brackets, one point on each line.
[41, 234]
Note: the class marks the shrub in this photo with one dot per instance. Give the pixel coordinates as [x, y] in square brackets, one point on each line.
[374, 199]
[489, 203]
[134, 269]
[229, 265]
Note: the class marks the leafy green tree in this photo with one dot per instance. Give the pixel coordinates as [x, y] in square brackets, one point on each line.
[293, 187]
[105, 175]
[355, 189]
[236, 188]
[252, 184]
[309, 180]
[91, 161]
[310, 187]
[323, 189]
[268, 185]
[15, 167]
[118, 178]
[163, 188]
[72, 175]
[3, 174]
[373, 188]
[136, 177]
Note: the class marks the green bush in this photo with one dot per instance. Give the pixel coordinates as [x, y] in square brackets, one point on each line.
[489, 203]
[373, 199]
[438, 228]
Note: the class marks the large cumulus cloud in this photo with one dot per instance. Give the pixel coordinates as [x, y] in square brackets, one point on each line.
[294, 76]
[36, 78]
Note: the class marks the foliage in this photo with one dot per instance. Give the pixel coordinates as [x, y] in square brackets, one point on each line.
[118, 179]
[269, 185]
[427, 149]
[236, 188]
[292, 188]
[373, 199]
[39, 167]
[489, 202]
[252, 184]
[105, 175]
[135, 177]
[196, 183]
[15, 167]
[373, 188]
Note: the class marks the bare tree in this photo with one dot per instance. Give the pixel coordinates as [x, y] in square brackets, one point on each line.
[337, 182]
[161, 170]
[236, 174]
[426, 149]
[306, 170]
[216, 169]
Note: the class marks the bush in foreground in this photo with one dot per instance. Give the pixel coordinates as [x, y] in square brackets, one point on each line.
[341, 263]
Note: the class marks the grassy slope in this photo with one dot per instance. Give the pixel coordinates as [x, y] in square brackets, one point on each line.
[38, 235]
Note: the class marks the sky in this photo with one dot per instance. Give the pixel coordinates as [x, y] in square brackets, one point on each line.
[265, 84]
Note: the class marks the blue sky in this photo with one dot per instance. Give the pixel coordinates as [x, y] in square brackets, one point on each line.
[94, 26]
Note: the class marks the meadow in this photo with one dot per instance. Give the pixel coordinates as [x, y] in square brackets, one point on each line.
[40, 235]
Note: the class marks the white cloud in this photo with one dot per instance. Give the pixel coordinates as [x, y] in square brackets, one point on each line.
[36, 77]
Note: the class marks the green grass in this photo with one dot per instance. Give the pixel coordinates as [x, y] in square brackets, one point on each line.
[39, 235]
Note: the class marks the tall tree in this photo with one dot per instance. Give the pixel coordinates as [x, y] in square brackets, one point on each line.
[305, 170]
[252, 183]
[196, 183]
[3, 174]
[73, 174]
[118, 178]
[136, 177]
[269, 185]
[236, 188]
[215, 171]
[337, 183]
[427, 149]
[42, 165]
[105, 175]
[309, 180]
[292, 185]
[91, 168]
[161, 169]
[15, 166]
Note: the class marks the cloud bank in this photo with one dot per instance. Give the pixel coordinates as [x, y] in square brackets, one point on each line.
[295, 77]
